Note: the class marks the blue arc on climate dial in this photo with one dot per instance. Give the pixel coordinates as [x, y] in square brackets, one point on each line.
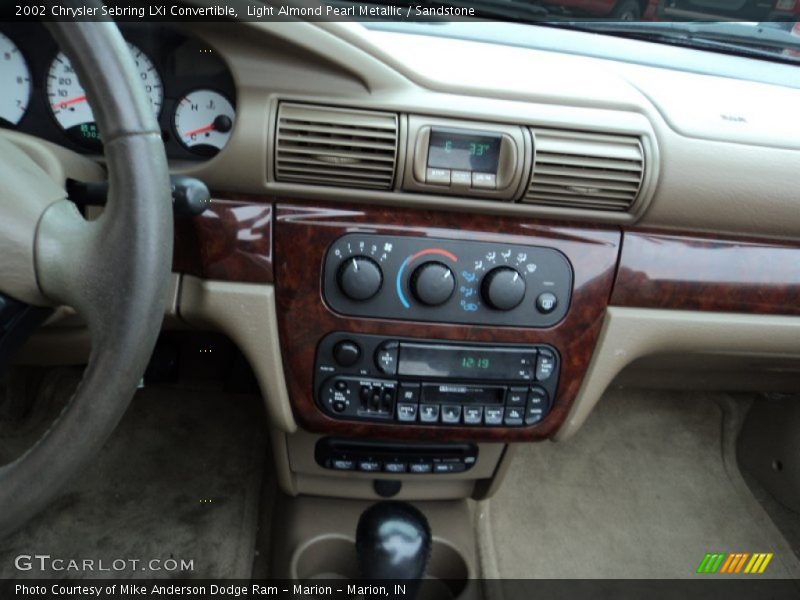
[412, 258]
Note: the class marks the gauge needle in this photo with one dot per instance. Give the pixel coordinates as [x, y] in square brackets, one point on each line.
[70, 102]
[199, 130]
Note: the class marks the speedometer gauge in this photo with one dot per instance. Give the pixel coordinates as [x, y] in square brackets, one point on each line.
[15, 81]
[68, 100]
[204, 120]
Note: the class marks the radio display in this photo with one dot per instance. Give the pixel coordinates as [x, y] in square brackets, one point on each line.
[465, 362]
[463, 151]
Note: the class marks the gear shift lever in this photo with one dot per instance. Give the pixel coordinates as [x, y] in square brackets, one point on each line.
[393, 541]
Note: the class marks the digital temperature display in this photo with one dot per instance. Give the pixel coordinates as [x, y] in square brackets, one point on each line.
[463, 151]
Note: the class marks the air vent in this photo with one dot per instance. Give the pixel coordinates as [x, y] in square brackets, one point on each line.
[585, 170]
[333, 146]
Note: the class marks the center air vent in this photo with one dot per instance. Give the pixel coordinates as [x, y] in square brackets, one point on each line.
[585, 170]
[333, 146]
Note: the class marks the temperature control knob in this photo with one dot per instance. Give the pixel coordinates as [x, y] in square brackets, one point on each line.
[360, 278]
[503, 288]
[433, 283]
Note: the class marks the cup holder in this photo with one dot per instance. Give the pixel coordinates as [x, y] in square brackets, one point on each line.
[334, 557]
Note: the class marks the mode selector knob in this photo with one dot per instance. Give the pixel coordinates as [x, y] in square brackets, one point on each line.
[503, 288]
[433, 283]
[360, 278]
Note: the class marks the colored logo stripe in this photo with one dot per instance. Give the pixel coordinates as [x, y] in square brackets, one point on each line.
[734, 563]
[710, 563]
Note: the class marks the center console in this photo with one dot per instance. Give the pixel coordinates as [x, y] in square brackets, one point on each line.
[436, 326]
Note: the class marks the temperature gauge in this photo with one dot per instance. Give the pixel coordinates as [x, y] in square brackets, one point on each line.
[204, 120]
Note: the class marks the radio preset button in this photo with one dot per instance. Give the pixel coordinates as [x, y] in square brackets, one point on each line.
[421, 467]
[429, 413]
[407, 413]
[473, 415]
[514, 415]
[493, 416]
[344, 464]
[451, 414]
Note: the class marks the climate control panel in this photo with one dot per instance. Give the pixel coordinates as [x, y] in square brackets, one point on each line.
[456, 281]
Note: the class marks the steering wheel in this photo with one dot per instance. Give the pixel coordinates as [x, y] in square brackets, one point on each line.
[114, 271]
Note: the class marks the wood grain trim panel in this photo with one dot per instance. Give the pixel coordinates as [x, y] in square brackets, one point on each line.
[659, 270]
[231, 241]
[302, 236]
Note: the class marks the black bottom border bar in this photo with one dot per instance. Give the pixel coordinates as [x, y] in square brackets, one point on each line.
[701, 587]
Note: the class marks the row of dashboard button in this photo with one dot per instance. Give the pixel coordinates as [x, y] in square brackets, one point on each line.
[523, 406]
[437, 176]
[399, 466]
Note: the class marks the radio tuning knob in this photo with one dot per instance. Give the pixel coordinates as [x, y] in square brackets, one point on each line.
[360, 278]
[503, 288]
[432, 283]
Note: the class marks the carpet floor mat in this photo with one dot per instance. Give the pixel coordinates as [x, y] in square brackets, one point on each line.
[645, 489]
[178, 483]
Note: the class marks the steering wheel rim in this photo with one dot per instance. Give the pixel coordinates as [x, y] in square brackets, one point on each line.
[114, 271]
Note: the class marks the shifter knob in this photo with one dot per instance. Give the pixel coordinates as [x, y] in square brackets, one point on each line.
[393, 541]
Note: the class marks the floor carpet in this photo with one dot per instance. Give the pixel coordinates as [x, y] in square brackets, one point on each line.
[180, 479]
[644, 490]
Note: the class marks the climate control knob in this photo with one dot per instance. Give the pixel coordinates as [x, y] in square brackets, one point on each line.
[432, 283]
[503, 288]
[360, 278]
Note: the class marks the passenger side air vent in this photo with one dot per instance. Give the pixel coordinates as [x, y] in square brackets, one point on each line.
[333, 146]
[585, 170]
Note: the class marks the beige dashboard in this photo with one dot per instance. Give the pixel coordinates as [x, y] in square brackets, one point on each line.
[714, 161]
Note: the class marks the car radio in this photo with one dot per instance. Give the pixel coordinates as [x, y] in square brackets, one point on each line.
[425, 382]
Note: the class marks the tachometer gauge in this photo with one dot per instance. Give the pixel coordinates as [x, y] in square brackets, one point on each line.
[204, 120]
[15, 81]
[68, 100]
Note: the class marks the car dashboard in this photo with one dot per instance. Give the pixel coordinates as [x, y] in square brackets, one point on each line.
[466, 250]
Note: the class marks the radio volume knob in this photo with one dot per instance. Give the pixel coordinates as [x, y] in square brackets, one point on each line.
[433, 283]
[503, 288]
[360, 278]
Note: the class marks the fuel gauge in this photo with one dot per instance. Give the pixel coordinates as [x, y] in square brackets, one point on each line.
[204, 121]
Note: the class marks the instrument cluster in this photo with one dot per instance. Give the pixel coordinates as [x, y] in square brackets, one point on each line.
[190, 89]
